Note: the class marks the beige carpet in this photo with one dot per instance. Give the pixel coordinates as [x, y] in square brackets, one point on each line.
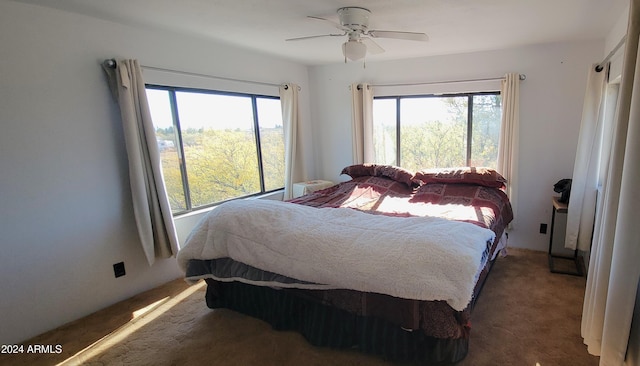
[524, 316]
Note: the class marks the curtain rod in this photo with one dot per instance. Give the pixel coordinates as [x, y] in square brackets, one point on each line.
[600, 66]
[111, 63]
[522, 77]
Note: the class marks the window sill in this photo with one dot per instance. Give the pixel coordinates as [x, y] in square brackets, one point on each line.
[275, 195]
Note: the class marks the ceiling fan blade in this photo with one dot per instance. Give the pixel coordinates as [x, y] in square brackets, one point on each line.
[335, 24]
[319, 36]
[411, 36]
[372, 46]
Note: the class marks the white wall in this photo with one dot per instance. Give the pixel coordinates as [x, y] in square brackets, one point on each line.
[65, 209]
[550, 112]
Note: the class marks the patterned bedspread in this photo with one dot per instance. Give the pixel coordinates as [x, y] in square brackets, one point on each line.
[484, 206]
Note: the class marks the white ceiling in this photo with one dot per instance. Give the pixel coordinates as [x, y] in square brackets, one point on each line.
[454, 26]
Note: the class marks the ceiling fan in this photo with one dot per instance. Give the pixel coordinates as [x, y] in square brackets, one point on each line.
[354, 22]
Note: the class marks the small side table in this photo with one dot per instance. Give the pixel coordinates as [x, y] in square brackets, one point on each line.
[561, 208]
[302, 188]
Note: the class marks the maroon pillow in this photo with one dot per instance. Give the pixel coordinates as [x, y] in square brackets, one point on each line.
[374, 170]
[465, 175]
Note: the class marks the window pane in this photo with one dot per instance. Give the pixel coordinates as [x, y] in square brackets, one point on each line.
[160, 107]
[219, 146]
[384, 131]
[271, 142]
[433, 132]
[486, 130]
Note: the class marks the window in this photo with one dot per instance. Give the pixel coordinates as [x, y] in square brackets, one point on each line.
[216, 146]
[437, 131]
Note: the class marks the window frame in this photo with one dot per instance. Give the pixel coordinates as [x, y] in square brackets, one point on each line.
[180, 146]
[469, 96]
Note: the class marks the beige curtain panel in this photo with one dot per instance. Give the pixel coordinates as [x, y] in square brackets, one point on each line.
[362, 123]
[612, 282]
[290, 120]
[508, 144]
[150, 203]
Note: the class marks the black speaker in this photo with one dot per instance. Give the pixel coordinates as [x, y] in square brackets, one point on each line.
[564, 188]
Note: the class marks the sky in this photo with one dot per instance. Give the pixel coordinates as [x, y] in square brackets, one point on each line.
[199, 110]
[413, 110]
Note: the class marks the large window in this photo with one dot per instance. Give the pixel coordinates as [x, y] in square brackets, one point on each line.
[216, 146]
[437, 131]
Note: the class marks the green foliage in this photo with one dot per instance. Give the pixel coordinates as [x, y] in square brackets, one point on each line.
[433, 144]
[441, 143]
[173, 179]
[487, 116]
[222, 164]
[272, 147]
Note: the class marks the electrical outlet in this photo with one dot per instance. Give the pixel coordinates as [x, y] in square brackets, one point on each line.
[118, 269]
[543, 228]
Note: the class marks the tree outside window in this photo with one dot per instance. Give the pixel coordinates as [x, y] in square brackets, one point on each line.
[216, 146]
[422, 132]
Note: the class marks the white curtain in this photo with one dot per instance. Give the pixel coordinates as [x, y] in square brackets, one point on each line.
[290, 118]
[612, 282]
[509, 136]
[362, 123]
[584, 187]
[150, 203]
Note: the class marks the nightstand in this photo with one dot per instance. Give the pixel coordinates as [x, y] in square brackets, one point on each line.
[302, 188]
[557, 235]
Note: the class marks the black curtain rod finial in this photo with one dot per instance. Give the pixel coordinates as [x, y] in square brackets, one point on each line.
[110, 63]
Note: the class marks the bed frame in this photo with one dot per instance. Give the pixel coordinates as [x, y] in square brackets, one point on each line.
[329, 326]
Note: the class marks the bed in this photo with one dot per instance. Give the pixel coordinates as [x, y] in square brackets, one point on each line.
[389, 262]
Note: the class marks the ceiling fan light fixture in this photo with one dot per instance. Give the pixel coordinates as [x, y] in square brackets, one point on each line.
[354, 50]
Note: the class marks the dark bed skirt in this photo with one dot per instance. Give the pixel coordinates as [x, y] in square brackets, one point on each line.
[326, 326]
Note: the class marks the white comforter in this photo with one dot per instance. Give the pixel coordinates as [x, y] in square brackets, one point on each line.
[423, 258]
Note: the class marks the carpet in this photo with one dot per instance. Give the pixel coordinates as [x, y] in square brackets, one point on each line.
[525, 316]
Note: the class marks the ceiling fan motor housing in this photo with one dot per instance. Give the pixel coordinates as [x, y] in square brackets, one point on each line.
[355, 18]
